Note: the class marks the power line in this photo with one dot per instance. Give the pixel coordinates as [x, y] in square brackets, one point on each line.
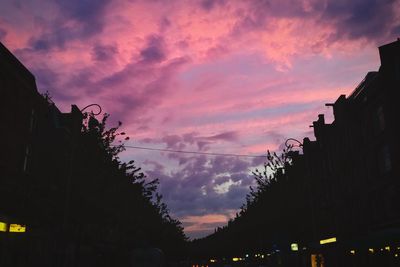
[194, 152]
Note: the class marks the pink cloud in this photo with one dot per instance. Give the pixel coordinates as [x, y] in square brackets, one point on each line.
[198, 226]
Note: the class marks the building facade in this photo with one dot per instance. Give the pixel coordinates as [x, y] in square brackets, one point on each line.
[36, 140]
[353, 167]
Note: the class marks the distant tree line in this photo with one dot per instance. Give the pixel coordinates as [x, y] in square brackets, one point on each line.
[273, 216]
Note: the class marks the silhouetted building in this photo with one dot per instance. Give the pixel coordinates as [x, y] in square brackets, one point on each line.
[36, 141]
[353, 165]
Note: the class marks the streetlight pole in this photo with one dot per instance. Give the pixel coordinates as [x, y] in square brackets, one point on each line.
[68, 185]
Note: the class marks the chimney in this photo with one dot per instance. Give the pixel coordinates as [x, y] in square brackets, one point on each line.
[390, 58]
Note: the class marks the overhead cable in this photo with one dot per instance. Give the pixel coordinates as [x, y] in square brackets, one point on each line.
[194, 152]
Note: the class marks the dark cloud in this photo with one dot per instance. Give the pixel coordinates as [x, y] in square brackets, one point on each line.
[104, 52]
[154, 51]
[396, 30]
[374, 20]
[208, 5]
[89, 18]
[86, 11]
[371, 19]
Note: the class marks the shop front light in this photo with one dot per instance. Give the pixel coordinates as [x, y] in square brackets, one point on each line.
[17, 228]
[328, 240]
[3, 227]
[294, 247]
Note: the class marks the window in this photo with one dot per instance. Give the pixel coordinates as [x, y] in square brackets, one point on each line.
[385, 163]
[379, 120]
[26, 159]
[32, 121]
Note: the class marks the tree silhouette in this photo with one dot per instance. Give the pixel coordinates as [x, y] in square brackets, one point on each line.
[113, 203]
[270, 218]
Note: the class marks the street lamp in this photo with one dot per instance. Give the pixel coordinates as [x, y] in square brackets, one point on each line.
[299, 144]
[97, 105]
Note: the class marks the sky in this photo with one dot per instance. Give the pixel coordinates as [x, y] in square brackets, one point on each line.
[217, 76]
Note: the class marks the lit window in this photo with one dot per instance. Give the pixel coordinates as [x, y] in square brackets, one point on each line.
[17, 228]
[3, 227]
[327, 241]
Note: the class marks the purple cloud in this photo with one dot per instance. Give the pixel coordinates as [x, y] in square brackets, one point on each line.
[104, 52]
[89, 18]
[154, 51]
[173, 141]
[225, 136]
[208, 5]
[371, 19]
[3, 34]
[191, 190]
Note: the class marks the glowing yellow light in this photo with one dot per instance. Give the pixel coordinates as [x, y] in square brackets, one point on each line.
[317, 260]
[329, 240]
[294, 247]
[371, 250]
[387, 248]
[17, 228]
[3, 227]
[235, 259]
[213, 260]
[353, 251]
[262, 256]
[396, 255]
